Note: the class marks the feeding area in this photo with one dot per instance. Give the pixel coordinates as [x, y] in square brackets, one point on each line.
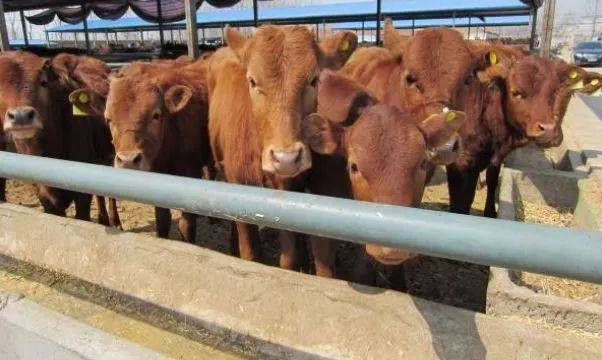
[342, 179]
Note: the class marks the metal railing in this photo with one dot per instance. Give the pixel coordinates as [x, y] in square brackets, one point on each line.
[555, 251]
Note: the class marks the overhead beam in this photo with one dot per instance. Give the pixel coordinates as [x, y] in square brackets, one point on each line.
[24, 28]
[4, 43]
[533, 28]
[193, 37]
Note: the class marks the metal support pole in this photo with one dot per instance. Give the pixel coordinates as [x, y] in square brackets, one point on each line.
[533, 28]
[562, 252]
[142, 36]
[4, 42]
[454, 19]
[193, 37]
[47, 38]
[469, 24]
[413, 26]
[548, 27]
[86, 35]
[24, 27]
[255, 14]
[378, 14]
[160, 15]
[363, 28]
[317, 31]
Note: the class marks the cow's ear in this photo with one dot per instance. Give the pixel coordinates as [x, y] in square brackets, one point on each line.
[322, 135]
[393, 40]
[341, 99]
[572, 77]
[177, 97]
[336, 49]
[441, 135]
[63, 66]
[87, 103]
[492, 60]
[235, 40]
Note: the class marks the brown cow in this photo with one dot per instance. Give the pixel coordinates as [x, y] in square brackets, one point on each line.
[77, 73]
[260, 90]
[157, 114]
[372, 152]
[37, 119]
[438, 69]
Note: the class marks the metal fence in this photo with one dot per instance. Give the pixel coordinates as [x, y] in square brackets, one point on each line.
[555, 251]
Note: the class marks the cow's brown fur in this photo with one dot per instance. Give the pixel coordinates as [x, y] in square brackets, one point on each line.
[260, 90]
[437, 69]
[157, 114]
[371, 152]
[41, 87]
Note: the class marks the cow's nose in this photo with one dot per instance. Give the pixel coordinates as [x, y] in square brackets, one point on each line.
[21, 115]
[128, 159]
[288, 162]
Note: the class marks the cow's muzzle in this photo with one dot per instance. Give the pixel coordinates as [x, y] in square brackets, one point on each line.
[22, 122]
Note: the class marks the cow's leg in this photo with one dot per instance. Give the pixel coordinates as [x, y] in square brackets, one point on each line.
[324, 252]
[2, 189]
[248, 241]
[82, 206]
[163, 221]
[187, 227]
[462, 186]
[114, 220]
[293, 252]
[493, 173]
[103, 216]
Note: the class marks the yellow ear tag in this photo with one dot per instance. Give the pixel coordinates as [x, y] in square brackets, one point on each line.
[492, 58]
[573, 74]
[344, 45]
[578, 85]
[83, 98]
[594, 82]
[78, 112]
[451, 116]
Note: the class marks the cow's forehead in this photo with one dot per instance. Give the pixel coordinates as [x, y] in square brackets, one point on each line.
[532, 73]
[132, 95]
[276, 51]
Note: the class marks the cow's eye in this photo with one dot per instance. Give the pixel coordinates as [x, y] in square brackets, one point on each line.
[353, 168]
[156, 116]
[468, 80]
[517, 94]
[44, 83]
[252, 82]
[411, 80]
[314, 82]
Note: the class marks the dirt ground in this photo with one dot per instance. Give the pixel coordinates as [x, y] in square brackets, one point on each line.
[572, 289]
[446, 281]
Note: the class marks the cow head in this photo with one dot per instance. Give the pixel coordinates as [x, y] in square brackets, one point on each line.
[283, 66]
[438, 68]
[387, 151]
[138, 110]
[27, 85]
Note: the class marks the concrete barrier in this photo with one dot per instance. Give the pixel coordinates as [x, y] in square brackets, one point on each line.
[273, 313]
[29, 331]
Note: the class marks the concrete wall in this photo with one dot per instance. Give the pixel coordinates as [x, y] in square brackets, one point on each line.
[271, 312]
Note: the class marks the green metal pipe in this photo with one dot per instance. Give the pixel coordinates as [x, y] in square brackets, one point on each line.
[561, 252]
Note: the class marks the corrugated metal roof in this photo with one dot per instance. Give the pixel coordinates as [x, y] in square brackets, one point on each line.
[460, 22]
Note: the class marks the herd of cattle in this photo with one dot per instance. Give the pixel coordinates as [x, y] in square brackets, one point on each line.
[279, 110]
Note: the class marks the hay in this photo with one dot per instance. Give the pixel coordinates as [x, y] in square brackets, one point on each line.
[550, 285]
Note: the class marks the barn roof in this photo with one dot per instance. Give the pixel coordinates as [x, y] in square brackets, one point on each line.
[338, 12]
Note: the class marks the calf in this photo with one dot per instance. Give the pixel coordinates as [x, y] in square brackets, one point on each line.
[260, 89]
[157, 115]
[37, 119]
[372, 152]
